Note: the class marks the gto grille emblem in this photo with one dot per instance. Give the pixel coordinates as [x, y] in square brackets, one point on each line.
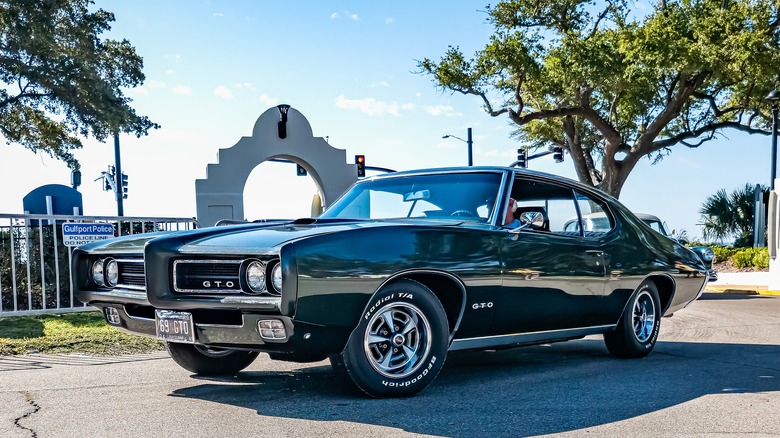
[218, 284]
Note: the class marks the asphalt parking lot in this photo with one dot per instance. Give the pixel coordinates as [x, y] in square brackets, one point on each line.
[716, 370]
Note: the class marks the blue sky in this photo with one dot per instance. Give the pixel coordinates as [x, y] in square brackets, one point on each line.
[213, 67]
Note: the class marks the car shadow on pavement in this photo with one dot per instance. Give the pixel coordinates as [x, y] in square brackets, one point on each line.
[517, 392]
[716, 296]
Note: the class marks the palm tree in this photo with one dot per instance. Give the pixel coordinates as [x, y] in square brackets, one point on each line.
[730, 215]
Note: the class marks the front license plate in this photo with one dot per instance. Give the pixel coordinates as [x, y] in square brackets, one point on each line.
[174, 326]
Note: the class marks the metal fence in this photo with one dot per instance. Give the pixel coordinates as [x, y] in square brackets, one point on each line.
[35, 263]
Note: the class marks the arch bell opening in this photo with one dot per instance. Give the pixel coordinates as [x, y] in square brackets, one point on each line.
[221, 194]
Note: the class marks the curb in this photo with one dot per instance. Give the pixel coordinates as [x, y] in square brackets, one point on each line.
[742, 290]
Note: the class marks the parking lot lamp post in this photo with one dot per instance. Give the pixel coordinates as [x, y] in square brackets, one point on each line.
[774, 98]
[469, 142]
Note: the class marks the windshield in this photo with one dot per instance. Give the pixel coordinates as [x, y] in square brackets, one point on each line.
[461, 196]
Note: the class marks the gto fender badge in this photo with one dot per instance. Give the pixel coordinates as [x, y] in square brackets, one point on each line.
[476, 306]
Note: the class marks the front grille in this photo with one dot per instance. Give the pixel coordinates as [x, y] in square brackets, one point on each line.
[131, 273]
[207, 276]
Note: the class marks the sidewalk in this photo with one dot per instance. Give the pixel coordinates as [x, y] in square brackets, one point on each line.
[746, 283]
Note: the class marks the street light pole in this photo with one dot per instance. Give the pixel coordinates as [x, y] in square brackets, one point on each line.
[470, 144]
[120, 209]
[774, 98]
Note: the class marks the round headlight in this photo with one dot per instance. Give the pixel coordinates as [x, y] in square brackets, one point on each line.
[707, 254]
[255, 276]
[112, 273]
[276, 277]
[97, 273]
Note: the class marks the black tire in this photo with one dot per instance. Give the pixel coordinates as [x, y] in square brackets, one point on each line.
[637, 332]
[207, 361]
[400, 344]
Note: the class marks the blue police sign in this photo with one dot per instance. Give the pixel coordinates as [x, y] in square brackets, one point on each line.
[75, 234]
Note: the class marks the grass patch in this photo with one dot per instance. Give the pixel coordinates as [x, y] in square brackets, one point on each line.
[82, 333]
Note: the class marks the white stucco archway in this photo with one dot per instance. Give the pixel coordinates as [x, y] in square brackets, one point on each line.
[220, 195]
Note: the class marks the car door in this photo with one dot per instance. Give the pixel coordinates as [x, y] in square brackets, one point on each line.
[552, 279]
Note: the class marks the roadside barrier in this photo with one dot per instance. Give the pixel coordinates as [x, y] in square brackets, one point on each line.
[36, 250]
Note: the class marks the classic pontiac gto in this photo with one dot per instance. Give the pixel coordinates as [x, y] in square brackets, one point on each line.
[403, 268]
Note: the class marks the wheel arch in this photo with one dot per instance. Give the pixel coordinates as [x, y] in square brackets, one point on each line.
[666, 289]
[449, 289]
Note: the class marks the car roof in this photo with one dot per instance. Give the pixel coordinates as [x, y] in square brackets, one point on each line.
[642, 216]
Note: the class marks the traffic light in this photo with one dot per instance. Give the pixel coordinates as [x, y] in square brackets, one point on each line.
[522, 157]
[360, 160]
[106, 182]
[124, 186]
[558, 155]
[75, 178]
[300, 171]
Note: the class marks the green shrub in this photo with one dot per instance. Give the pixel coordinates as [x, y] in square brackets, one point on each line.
[751, 257]
[723, 253]
[761, 258]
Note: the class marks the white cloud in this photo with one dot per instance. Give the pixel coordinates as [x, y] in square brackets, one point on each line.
[151, 83]
[183, 90]
[247, 85]
[223, 92]
[371, 106]
[408, 106]
[389, 20]
[218, 14]
[267, 100]
[353, 17]
[169, 72]
[442, 110]
[379, 84]
[417, 94]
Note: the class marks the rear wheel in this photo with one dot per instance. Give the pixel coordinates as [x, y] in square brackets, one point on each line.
[400, 344]
[210, 361]
[637, 331]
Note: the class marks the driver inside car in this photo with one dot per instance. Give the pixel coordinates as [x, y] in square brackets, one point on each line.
[509, 219]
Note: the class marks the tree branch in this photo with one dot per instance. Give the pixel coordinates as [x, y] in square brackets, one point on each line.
[711, 128]
[715, 110]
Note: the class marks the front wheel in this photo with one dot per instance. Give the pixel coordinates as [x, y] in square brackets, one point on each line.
[637, 332]
[209, 361]
[400, 344]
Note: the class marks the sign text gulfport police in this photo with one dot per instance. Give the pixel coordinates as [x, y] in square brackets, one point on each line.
[74, 234]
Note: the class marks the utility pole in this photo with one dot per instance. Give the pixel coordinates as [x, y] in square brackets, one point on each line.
[120, 209]
[470, 144]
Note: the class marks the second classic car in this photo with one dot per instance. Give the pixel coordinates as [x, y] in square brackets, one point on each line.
[402, 269]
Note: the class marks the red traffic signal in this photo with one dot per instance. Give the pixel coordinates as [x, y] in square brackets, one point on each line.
[360, 160]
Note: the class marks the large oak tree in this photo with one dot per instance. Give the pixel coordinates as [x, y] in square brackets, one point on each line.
[611, 86]
[59, 81]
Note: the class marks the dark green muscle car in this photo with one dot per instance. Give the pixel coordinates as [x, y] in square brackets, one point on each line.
[403, 268]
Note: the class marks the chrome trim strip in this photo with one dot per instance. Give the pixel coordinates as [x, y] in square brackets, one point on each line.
[131, 287]
[122, 293]
[270, 301]
[518, 338]
[206, 291]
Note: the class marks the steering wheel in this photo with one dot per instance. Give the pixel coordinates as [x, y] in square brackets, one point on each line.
[462, 213]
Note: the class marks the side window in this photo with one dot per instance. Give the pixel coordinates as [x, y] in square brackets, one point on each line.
[546, 207]
[596, 219]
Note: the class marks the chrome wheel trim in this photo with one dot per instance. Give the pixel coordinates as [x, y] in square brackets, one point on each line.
[397, 339]
[213, 351]
[643, 316]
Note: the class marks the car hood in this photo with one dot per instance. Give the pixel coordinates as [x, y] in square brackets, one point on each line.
[268, 238]
[253, 238]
